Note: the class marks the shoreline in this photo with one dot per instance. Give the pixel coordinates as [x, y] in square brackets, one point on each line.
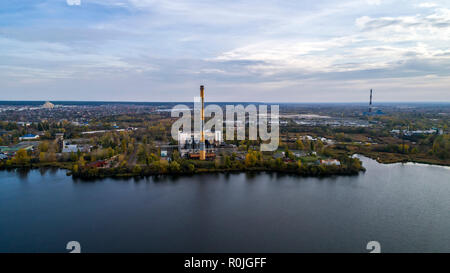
[403, 159]
[304, 172]
[106, 173]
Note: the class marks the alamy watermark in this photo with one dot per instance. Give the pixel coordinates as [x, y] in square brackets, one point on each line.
[374, 247]
[74, 247]
[236, 119]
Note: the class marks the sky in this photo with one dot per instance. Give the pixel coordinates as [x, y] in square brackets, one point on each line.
[255, 50]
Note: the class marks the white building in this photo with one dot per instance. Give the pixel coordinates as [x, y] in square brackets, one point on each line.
[308, 138]
[186, 137]
[29, 137]
[415, 132]
[67, 147]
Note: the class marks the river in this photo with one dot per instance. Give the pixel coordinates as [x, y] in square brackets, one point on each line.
[405, 207]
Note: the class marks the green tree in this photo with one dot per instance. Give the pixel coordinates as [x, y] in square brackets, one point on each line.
[299, 164]
[22, 157]
[42, 156]
[141, 153]
[319, 145]
[300, 144]
[73, 157]
[81, 161]
[191, 167]
[176, 155]
[43, 146]
[279, 164]
[137, 169]
[227, 161]
[175, 167]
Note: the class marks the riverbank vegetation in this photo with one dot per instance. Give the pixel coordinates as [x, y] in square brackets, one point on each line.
[254, 162]
[134, 144]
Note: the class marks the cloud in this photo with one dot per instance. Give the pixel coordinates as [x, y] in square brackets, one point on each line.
[427, 5]
[439, 19]
[373, 2]
[73, 2]
[151, 48]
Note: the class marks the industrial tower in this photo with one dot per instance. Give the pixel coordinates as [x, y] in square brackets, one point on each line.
[202, 132]
[370, 103]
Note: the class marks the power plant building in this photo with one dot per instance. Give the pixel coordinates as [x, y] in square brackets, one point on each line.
[190, 138]
[200, 144]
[371, 111]
[189, 143]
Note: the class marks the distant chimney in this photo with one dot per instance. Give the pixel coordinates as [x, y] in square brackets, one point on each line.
[202, 132]
[370, 102]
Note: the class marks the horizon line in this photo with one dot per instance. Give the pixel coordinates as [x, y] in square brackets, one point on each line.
[313, 102]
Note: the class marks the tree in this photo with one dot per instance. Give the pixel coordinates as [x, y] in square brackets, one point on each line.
[73, 157]
[163, 166]
[306, 145]
[300, 144]
[279, 163]
[441, 146]
[141, 153]
[340, 137]
[137, 169]
[124, 145]
[130, 148]
[403, 148]
[81, 161]
[110, 152]
[319, 145]
[123, 163]
[227, 161]
[299, 164]
[290, 155]
[43, 146]
[22, 157]
[174, 167]
[252, 158]
[176, 156]
[42, 157]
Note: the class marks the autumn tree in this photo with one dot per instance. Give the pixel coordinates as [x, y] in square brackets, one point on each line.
[22, 157]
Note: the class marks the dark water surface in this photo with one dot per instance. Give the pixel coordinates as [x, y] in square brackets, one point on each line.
[404, 207]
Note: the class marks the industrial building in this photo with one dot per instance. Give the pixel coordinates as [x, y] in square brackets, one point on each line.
[185, 139]
[371, 111]
[189, 143]
[200, 145]
[68, 147]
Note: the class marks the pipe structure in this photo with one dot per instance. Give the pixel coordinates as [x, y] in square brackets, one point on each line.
[202, 131]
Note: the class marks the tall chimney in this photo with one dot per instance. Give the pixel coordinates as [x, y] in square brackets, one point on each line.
[370, 103]
[202, 131]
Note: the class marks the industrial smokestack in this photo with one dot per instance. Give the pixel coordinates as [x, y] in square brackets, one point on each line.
[202, 131]
[370, 103]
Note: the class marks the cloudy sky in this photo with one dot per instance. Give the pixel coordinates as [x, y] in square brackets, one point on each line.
[255, 50]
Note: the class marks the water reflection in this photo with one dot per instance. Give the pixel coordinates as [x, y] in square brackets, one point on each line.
[43, 170]
[23, 173]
